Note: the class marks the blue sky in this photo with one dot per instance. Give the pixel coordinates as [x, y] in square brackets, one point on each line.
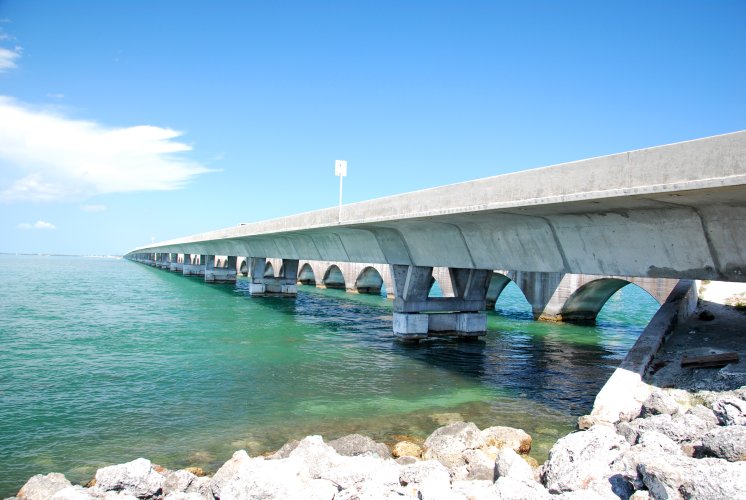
[122, 121]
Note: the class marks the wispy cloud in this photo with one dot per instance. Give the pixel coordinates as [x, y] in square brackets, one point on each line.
[60, 158]
[93, 208]
[40, 224]
[8, 58]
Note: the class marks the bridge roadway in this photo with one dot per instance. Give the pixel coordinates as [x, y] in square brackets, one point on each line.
[676, 211]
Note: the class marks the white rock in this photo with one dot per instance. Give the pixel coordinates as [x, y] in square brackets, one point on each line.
[135, 478]
[509, 464]
[507, 488]
[447, 444]
[227, 471]
[318, 456]
[73, 493]
[41, 487]
[516, 439]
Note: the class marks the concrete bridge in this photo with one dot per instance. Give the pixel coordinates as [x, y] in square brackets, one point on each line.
[675, 211]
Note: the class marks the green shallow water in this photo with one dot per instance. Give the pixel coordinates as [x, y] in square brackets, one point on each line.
[105, 360]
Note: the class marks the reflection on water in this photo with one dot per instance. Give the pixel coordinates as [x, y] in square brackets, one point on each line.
[107, 360]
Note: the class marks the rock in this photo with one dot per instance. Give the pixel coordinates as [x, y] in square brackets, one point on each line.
[405, 460]
[268, 479]
[683, 477]
[507, 488]
[136, 478]
[705, 414]
[227, 471]
[41, 487]
[183, 496]
[479, 465]
[706, 315]
[197, 471]
[351, 471]
[730, 411]
[640, 495]
[407, 449]
[581, 457]
[318, 456]
[429, 475]
[447, 444]
[659, 403]
[509, 464]
[201, 486]
[516, 439]
[679, 427]
[652, 442]
[284, 452]
[72, 493]
[726, 442]
[355, 444]
[177, 481]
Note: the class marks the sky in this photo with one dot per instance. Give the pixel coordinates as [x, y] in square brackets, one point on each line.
[123, 122]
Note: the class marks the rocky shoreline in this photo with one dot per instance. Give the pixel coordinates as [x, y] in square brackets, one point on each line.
[681, 445]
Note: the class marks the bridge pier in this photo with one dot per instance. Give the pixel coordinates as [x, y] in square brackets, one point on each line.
[417, 316]
[176, 266]
[220, 274]
[285, 285]
[191, 268]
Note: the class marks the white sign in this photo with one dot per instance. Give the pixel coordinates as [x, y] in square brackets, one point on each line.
[340, 168]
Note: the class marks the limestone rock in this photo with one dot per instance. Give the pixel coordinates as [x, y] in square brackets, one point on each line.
[705, 414]
[72, 493]
[730, 411]
[348, 472]
[201, 486]
[177, 481]
[684, 477]
[447, 444]
[679, 427]
[197, 471]
[507, 488]
[726, 442]
[355, 444]
[581, 457]
[659, 403]
[183, 496]
[41, 487]
[468, 489]
[137, 478]
[405, 460]
[318, 456]
[509, 464]
[267, 479]
[428, 475]
[284, 452]
[227, 471]
[479, 466]
[516, 439]
[407, 449]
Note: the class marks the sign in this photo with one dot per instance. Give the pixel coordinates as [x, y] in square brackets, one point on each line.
[340, 168]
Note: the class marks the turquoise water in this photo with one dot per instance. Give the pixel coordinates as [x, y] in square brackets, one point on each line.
[106, 360]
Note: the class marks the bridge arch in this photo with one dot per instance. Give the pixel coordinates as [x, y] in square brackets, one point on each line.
[243, 268]
[369, 281]
[306, 276]
[333, 278]
[269, 270]
[587, 301]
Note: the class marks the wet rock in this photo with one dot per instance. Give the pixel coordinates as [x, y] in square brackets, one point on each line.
[659, 403]
[318, 456]
[516, 439]
[447, 444]
[355, 444]
[677, 477]
[42, 487]
[407, 449]
[581, 457]
[726, 442]
[137, 478]
[227, 471]
[730, 411]
[509, 464]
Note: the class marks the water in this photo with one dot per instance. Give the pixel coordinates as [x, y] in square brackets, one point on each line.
[103, 361]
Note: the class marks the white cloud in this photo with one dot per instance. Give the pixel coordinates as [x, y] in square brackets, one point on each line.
[93, 208]
[8, 58]
[60, 158]
[40, 224]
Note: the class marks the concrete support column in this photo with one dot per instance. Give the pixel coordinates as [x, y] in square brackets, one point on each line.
[176, 266]
[418, 316]
[188, 268]
[225, 274]
[285, 285]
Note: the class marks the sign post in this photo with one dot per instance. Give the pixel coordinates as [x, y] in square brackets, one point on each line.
[340, 170]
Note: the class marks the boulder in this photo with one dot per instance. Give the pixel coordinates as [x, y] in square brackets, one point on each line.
[201, 485]
[227, 471]
[468, 489]
[183, 496]
[676, 477]
[730, 411]
[447, 444]
[509, 464]
[516, 439]
[177, 481]
[507, 488]
[428, 475]
[318, 456]
[284, 452]
[726, 442]
[659, 403]
[680, 427]
[136, 478]
[407, 449]
[579, 458]
[72, 493]
[41, 487]
[355, 444]
[268, 479]
[479, 465]
[705, 414]
[350, 471]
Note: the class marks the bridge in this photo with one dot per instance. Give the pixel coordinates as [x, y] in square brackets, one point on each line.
[676, 211]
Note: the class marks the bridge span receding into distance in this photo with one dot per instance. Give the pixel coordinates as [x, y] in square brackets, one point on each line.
[676, 211]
